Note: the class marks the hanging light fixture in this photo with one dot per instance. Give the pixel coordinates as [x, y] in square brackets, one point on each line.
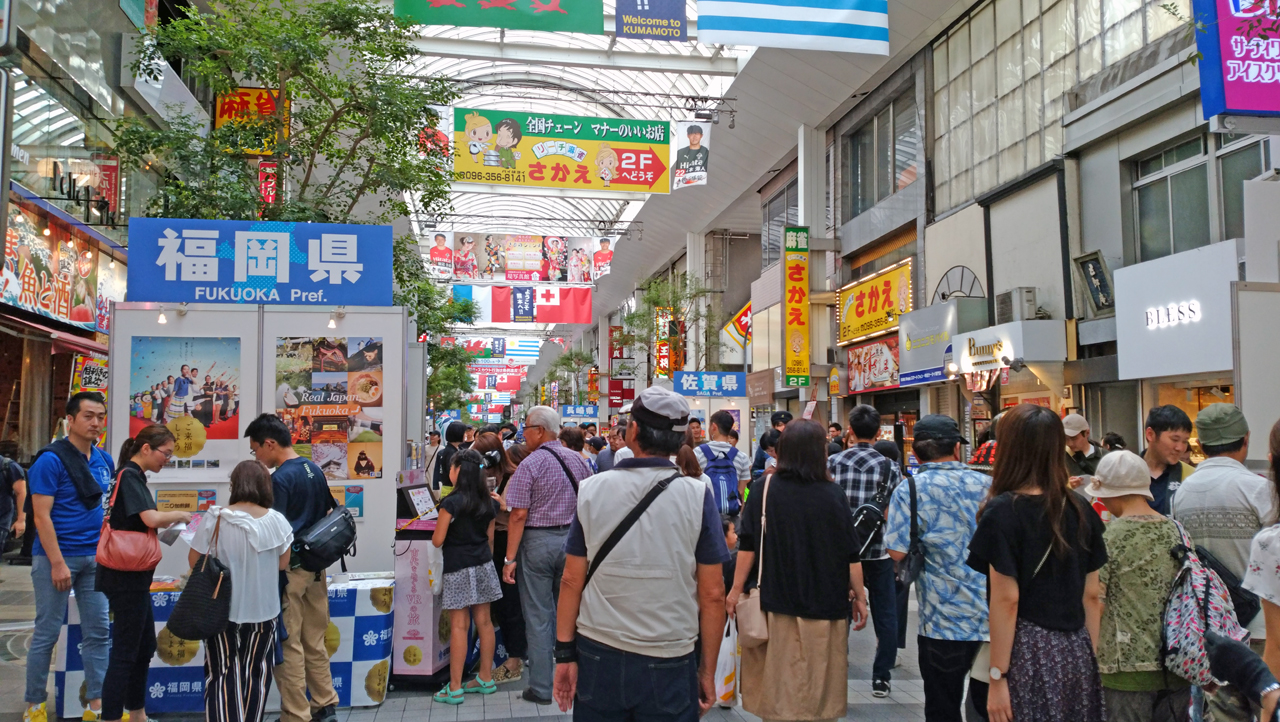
[162, 318]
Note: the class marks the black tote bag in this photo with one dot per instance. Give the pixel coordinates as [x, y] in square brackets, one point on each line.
[204, 607]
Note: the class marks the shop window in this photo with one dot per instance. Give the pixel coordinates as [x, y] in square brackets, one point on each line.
[780, 211]
[1172, 199]
[884, 154]
[1237, 163]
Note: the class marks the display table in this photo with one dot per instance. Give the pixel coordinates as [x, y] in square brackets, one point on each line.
[359, 643]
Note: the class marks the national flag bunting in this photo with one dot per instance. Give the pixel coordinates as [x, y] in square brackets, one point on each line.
[850, 26]
[535, 304]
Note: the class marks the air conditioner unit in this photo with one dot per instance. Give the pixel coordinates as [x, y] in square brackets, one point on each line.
[1018, 304]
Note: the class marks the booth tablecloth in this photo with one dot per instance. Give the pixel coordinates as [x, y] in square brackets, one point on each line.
[359, 642]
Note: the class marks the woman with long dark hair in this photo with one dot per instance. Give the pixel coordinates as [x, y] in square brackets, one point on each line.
[133, 633]
[464, 531]
[498, 468]
[1041, 547]
[810, 572]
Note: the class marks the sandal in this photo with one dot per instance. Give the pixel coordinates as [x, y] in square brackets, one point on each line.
[449, 696]
[481, 687]
[503, 673]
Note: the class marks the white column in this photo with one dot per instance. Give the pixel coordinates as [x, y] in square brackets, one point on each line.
[695, 263]
[811, 171]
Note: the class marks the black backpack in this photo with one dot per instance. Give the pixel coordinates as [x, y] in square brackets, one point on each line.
[327, 541]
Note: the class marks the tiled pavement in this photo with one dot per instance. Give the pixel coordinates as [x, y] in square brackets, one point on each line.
[904, 704]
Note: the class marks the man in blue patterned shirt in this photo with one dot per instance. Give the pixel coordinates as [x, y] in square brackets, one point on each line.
[860, 470]
[953, 597]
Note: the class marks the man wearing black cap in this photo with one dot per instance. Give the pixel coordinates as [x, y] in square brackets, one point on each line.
[630, 620]
[696, 157]
[953, 606]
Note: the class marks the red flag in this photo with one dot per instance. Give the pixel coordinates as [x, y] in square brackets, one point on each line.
[501, 307]
[556, 304]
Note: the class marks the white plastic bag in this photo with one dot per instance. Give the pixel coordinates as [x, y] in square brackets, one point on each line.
[727, 667]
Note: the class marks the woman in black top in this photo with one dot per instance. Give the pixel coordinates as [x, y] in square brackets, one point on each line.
[1041, 547]
[811, 571]
[133, 629]
[499, 466]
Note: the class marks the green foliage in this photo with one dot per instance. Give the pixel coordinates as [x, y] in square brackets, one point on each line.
[353, 121]
[571, 370]
[687, 298]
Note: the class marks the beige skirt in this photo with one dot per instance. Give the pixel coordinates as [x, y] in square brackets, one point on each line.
[802, 673]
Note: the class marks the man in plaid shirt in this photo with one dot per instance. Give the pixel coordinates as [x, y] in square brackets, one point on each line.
[860, 471]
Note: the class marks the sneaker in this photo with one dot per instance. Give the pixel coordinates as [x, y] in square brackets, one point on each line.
[91, 716]
[324, 714]
[880, 688]
[529, 696]
[35, 714]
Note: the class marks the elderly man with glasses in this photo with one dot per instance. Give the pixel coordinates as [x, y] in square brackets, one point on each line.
[542, 496]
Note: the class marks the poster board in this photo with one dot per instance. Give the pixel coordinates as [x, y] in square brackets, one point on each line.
[341, 391]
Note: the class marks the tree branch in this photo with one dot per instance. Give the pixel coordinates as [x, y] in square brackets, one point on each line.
[368, 175]
[337, 172]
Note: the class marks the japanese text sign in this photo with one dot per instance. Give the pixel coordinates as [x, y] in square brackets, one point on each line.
[577, 16]
[874, 305]
[739, 327]
[1241, 56]
[873, 365]
[795, 306]
[542, 150]
[580, 412]
[249, 104]
[197, 261]
[662, 347]
[710, 383]
[53, 275]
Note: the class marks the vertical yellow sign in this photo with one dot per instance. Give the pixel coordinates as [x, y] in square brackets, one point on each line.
[795, 306]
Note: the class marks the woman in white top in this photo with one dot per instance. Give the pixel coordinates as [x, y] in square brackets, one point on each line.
[253, 541]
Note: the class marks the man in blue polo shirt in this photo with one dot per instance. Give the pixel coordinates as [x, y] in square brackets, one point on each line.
[68, 483]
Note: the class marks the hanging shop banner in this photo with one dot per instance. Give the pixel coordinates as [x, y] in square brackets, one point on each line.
[175, 260]
[739, 327]
[250, 104]
[617, 349]
[711, 383]
[192, 386]
[1238, 54]
[873, 366]
[530, 304]
[651, 20]
[874, 305]
[535, 150]
[572, 16]
[693, 153]
[329, 394]
[513, 257]
[795, 308]
[89, 373]
[53, 275]
[111, 287]
[267, 181]
[833, 382]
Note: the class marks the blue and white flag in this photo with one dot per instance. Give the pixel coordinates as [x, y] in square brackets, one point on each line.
[848, 26]
[523, 347]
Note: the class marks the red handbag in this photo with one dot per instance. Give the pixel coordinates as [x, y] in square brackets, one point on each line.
[127, 551]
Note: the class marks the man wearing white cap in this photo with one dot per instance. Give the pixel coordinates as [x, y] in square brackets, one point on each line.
[1082, 456]
[628, 622]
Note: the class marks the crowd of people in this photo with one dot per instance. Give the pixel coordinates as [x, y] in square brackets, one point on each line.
[613, 562]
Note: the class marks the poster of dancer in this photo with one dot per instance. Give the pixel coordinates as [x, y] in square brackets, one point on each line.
[189, 384]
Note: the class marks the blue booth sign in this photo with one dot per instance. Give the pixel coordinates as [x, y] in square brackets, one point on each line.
[711, 383]
[587, 412]
[178, 260]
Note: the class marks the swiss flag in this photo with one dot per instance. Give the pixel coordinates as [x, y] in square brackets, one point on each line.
[556, 304]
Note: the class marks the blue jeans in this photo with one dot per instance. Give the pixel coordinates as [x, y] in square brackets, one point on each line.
[617, 685]
[882, 595]
[540, 562]
[51, 607]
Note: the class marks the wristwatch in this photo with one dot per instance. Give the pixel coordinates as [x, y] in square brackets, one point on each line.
[996, 674]
[566, 652]
[508, 562]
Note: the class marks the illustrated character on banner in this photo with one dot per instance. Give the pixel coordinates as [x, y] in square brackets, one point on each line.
[495, 251]
[479, 132]
[555, 259]
[507, 139]
[603, 258]
[464, 260]
[606, 163]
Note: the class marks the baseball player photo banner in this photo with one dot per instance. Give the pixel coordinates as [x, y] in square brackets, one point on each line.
[693, 154]
[468, 256]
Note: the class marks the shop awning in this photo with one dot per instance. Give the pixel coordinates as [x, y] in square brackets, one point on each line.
[63, 341]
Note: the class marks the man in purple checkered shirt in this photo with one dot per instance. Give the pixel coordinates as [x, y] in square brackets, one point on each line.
[542, 497]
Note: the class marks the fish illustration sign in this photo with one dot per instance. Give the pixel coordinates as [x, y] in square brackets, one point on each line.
[577, 16]
[541, 150]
